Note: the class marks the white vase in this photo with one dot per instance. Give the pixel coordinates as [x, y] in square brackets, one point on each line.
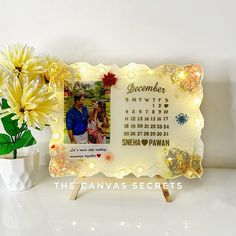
[20, 174]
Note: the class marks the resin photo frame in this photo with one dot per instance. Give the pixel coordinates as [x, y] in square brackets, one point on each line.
[131, 119]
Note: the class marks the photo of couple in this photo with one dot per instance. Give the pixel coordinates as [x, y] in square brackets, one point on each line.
[87, 120]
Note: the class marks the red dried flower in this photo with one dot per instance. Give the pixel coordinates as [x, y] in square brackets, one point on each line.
[109, 79]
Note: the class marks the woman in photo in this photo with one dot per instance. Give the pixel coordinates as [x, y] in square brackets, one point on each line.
[98, 123]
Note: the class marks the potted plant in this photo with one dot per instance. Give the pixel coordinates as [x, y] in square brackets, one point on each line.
[27, 101]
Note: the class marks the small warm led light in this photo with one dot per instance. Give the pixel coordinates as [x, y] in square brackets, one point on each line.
[102, 70]
[83, 69]
[92, 228]
[56, 136]
[138, 226]
[198, 74]
[140, 170]
[132, 66]
[122, 172]
[36, 81]
[131, 75]
[197, 101]
[122, 223]
[190, 173]
[91, 165]
[166, 233]
[74, 223]
[131, 70]
[181, 74]
[186, 225]
[198, 123]
[151, 72]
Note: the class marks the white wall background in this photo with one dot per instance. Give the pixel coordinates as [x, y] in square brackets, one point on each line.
[142, 31]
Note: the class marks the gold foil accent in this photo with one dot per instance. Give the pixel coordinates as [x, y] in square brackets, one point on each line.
[59, 72]
[188, 78]
[180, 163]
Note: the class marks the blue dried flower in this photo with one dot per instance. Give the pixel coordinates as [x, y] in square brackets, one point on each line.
[181, 118]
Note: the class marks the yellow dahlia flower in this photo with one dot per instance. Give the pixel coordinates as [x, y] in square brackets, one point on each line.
[5, 75]
[20, 59]
[31, 101]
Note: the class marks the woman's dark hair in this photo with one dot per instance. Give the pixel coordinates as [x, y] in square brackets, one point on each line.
[77, 97]
[103, 113]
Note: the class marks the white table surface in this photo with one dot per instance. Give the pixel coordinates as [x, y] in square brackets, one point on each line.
[202, 207]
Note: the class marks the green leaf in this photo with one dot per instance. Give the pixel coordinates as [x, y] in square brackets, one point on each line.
[10, 126]
[6, 145]
[4, 104]
[25, 140]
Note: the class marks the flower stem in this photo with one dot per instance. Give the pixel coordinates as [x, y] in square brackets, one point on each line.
[14, 153]
[15, 150]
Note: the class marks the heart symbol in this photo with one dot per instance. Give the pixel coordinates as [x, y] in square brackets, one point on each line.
[166, 105]
[98, 155]
[144, 142]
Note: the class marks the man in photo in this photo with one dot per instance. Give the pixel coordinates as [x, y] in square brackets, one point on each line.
[77, 121]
